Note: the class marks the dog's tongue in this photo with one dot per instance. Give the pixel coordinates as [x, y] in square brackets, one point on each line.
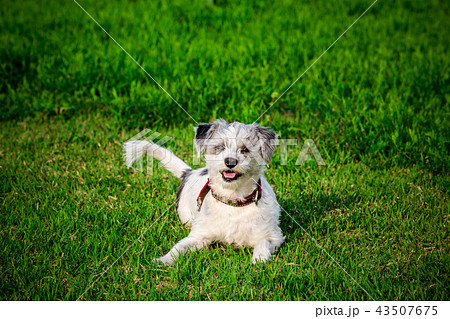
[229, 174]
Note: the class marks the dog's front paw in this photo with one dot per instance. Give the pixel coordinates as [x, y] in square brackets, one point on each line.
[260, 259]
[164, 260]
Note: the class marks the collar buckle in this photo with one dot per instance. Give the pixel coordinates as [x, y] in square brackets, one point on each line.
[256, 197]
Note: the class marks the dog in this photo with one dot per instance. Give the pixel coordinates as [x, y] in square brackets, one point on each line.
[229, 200]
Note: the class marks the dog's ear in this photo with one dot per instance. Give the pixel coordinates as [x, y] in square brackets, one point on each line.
[267, 139]
[203, 133]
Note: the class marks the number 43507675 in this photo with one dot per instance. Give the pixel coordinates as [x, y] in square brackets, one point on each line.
[407, 310]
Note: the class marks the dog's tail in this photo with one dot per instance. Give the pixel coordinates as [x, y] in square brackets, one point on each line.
[133, 150]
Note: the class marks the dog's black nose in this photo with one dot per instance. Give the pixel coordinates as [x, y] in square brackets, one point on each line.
[230, 162]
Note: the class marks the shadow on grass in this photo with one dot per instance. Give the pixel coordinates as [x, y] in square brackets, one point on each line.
[308, 210]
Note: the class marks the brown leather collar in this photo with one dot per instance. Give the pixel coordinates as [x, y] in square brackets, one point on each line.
[252, 198]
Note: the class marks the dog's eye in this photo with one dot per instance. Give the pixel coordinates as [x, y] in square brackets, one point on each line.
[244, 150]
[219, 148]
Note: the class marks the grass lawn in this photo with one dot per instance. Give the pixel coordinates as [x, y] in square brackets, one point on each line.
[376, 105]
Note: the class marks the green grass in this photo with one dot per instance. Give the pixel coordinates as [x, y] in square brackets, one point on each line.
[377, 106]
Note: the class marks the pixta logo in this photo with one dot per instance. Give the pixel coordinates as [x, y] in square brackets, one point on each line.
[152, 137]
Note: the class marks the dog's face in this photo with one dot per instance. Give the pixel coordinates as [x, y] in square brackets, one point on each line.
[234, 152]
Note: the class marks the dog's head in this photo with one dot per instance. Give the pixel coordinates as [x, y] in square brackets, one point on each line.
[234, 152]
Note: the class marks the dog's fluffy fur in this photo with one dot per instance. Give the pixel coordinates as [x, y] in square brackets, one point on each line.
[254, 225]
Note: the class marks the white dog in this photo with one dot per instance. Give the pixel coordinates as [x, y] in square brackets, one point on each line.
[229, 200]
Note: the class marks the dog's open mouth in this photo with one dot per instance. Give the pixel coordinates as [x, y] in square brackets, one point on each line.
[229, 176]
